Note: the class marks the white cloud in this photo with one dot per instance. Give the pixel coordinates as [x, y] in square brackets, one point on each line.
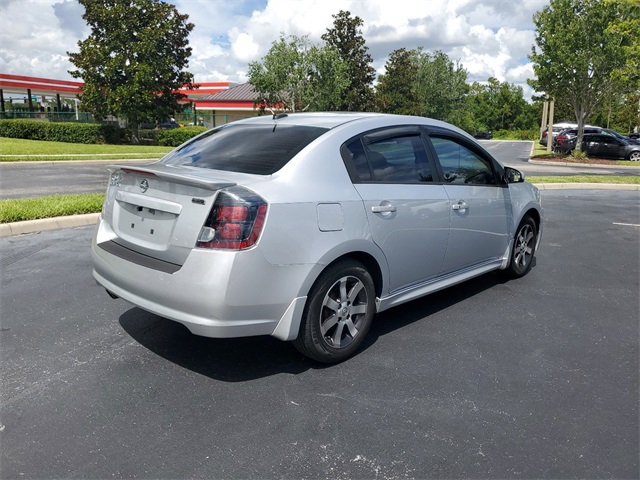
[244, 47]
[491, 38]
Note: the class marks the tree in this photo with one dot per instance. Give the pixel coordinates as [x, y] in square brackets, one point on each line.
[629, 114]
[500, 106]
[441, 85]
[395, 92]
[577, 53]
[298, 75]
[627, 26]
[346, 37]
[133, 61]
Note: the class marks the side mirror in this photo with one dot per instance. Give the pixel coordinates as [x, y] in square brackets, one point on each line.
[512, 175]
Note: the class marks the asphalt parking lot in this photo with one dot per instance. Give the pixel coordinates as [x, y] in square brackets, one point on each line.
[532, 378]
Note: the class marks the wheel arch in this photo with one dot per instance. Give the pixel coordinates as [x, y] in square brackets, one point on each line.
[633, 153]
[368, 262]
[535, 215]
[288, 327]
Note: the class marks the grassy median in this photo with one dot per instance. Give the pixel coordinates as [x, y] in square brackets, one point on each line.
[20, 150]
[618, 179]
[20, 209]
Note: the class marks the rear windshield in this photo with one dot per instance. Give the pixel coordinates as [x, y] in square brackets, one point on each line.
[257, 149]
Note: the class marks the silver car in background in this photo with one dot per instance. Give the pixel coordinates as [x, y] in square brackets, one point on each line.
[303, 226]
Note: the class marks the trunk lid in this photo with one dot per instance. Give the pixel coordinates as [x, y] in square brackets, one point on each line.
[158, 210]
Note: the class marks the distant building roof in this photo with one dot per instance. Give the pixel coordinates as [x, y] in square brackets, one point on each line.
[238, 93]
[19, 84]
[210, 95]
[238, 97]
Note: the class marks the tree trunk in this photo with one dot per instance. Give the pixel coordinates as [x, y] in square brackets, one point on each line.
[581, 117]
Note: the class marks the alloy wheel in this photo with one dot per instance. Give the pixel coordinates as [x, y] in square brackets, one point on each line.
[344, 307]
[523, 250]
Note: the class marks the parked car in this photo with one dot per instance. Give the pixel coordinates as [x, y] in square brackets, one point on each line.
[555, 130]
[634, 135]
[632, 141]
[483, 136]
[562, 141]
[602, 145]
[303, 226]
[167, 124]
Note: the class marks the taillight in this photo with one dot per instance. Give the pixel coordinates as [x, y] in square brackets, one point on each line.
[544, 134]
[235, 221]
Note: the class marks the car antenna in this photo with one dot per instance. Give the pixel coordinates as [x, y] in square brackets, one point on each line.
[276, 117]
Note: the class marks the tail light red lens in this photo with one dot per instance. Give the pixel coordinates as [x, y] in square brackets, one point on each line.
[235, 221]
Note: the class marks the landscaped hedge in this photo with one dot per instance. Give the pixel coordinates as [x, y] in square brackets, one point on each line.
[177, 136]
[516, 135]
[62, 131]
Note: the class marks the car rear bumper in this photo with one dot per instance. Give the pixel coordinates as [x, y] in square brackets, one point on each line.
[214, 293]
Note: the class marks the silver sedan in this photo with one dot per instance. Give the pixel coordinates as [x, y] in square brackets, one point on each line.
[303, 226]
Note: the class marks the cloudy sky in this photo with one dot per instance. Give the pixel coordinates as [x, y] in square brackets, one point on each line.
[491, 38]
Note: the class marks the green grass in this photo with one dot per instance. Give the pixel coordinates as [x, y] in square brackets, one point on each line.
[618, 179]
[19, 209]
[19, 150]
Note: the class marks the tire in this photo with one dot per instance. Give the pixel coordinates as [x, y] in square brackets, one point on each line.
[338, 314]
[634, 156]
[524, 248]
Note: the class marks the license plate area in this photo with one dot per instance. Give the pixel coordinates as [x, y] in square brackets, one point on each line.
[145, 226]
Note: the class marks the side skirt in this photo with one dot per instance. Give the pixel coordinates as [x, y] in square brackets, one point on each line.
[422, 289]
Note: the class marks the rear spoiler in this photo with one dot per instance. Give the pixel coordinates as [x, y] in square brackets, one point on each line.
[164, 172]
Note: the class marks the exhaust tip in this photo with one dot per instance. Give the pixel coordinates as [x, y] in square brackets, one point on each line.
[112, 295]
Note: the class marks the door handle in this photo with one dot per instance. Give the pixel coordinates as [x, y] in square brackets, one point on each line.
[384, 209]
[461, 205]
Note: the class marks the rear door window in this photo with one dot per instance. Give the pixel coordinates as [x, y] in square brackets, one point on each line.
[393, 158]
[256, 149]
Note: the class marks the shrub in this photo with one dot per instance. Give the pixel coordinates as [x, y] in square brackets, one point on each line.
[62, 131]
[177, 136]
[578, 154]
[516, 135]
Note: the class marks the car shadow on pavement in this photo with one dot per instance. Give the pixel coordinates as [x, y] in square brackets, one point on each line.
[249, 358]
[226, 359]
[421, 309]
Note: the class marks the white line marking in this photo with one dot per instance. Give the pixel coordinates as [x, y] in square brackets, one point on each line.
[627, 224]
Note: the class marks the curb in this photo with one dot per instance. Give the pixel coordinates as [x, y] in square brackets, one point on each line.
[587, 165]
[588, 186]
[33, 226]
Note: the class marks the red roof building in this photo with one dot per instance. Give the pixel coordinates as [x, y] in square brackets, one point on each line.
[211, 98]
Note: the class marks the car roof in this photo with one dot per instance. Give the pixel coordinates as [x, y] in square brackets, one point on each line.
[313, 119]
[591, 127]
[331, 120]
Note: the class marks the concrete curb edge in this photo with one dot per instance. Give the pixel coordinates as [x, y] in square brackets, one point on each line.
[32, 226]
